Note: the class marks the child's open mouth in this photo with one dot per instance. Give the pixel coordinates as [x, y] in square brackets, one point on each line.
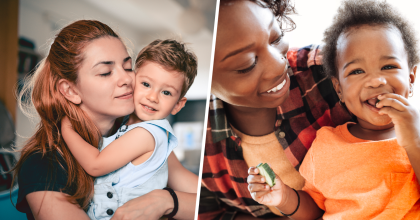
[149, 108]
[372, 101]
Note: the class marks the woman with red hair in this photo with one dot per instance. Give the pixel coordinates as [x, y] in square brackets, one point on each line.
[88, 77]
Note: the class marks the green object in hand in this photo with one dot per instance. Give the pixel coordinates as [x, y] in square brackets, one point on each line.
[377, 101]
[267, 173]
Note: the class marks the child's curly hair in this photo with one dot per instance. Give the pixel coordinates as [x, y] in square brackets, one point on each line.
[354, 13]
[280, 8]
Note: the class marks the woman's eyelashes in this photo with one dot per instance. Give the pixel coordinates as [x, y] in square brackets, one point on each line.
[248, 69]
[278, 39]
[109, 73]
[105, 74]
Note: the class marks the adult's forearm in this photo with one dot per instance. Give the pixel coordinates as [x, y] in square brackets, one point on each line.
[186, 205]
[307, 208]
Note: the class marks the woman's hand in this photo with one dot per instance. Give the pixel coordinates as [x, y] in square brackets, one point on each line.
[150, 206]
[261, 191]
[406, 119]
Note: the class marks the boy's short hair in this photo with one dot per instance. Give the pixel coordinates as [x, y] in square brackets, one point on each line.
[173, 56]
[354, 13]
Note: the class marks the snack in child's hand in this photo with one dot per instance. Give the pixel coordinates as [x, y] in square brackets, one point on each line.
[377, 101]
[267, 173]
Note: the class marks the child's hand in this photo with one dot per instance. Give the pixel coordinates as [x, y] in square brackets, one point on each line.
[261, 191]
[406, 118]
[65, 123]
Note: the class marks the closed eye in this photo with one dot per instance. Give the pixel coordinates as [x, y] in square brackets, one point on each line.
[249, 68]
[278, 39]
[105, 74]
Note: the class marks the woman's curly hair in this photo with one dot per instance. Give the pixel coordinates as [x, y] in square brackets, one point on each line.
[280, 8]
[354, 13]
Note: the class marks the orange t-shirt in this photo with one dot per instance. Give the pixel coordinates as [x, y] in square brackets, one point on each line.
[351, 178]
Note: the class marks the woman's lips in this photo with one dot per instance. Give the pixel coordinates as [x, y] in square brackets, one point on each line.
[127, 95]
[278, 87]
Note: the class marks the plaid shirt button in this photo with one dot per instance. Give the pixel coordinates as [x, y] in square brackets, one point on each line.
[282, 134]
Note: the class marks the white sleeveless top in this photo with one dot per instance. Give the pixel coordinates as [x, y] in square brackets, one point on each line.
[131, 181]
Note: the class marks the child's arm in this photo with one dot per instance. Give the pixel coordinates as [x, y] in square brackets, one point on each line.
[282, 197]
[406, 119]
[117, 154]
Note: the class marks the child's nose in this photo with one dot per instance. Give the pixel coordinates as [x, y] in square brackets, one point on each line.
[376, 80]
[153, 96]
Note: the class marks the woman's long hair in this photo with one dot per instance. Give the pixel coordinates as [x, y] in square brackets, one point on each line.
[63, 61]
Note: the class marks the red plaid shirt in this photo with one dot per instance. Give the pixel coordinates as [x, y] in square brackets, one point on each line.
[312, 103]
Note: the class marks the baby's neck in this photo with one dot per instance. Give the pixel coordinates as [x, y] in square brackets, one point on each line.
[366, 133]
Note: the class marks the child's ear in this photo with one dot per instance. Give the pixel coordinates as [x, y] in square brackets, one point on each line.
[337, 88]
[68, 90]
[179, 105]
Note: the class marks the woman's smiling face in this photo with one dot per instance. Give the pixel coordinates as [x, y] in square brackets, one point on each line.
[250, 65]
[371, 61]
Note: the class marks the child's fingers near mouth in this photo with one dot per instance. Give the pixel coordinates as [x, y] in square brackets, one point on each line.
[392, 103]
[400, 98]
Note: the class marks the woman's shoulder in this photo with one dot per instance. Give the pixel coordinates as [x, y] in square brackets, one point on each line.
[37, 161]
[41, 172]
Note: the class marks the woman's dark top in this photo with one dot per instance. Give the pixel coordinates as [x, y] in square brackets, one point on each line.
[40, 174]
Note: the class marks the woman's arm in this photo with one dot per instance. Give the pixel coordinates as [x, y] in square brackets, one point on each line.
[47, 205]
[185, 184]
[114, 156]
[159, 202]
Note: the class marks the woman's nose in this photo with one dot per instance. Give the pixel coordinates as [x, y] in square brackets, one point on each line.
[275, 65]
[125, 78]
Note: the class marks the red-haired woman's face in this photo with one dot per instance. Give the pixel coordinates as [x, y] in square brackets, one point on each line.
[249, 61]
[105, 80]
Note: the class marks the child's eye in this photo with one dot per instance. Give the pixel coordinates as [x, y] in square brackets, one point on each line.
[129, 70]
[249, 68]
[105, 74]
[166, 93]
[278, 39]
[355, 72]
[145, 84]
[388, 67]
